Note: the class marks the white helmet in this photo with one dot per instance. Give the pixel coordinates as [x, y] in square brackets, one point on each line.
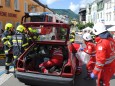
[99, 28]
[87, 36]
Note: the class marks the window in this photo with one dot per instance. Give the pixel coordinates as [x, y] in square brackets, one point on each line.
[106, 16]
[7, 3]
[1, 27]
[0, 2]
[101, 15]
[16, 4]
[25, 7]
[33, 9]
[98, 15]
[114, 15]
[110, 16]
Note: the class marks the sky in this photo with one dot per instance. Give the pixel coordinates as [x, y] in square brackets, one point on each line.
[74, 5]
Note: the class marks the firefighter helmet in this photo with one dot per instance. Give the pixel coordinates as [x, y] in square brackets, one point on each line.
[99, 28]
[87, 37]
[30, 29]
[73, 31]
[8, 26]
[20, 28]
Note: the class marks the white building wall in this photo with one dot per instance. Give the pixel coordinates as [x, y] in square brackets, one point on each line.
[107, 15]
[94, 12]
[109, 12]
[88, 14]
[101, 16]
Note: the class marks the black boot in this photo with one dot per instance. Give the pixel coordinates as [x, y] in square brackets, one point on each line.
[7, 69]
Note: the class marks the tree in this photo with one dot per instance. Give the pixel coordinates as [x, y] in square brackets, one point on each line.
[89, 25]
[80, 26]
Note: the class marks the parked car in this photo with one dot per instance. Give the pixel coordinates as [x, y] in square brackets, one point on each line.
[27, 66]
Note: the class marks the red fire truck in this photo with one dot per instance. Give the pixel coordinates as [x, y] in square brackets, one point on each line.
[44, 17]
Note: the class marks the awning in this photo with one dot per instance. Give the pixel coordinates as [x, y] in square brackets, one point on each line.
[111, 28]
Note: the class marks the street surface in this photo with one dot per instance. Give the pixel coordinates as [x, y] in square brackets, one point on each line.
[10, 80]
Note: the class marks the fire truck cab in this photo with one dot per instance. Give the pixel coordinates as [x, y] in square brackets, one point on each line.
[44, 17]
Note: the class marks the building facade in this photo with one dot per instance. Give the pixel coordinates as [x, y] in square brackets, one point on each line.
[93, 12]
[88, 13]
[100, 11]
[82, 15]
[109, 10]
[11, 11]
[104, 12]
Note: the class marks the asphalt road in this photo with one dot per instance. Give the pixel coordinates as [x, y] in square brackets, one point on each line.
[10, 80]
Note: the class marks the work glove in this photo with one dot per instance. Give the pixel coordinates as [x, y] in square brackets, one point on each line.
[81, 49]
[92, 75]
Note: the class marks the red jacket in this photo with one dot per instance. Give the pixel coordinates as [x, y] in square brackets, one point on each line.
[74, 47]
[57, 54]
[90, 48]
[105, 54]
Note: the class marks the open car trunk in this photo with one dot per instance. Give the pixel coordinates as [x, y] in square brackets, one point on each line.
[40, 53]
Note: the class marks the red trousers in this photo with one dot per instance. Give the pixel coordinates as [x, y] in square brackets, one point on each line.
[106, 74]
[52, 62]
[90, 65]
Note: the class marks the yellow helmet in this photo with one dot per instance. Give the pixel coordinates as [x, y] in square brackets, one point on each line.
[34, 31]
[72, 31]
[20, 28]
[8, 26]
[30, 29]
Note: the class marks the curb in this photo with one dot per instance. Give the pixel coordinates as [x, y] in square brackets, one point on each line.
[2, 72]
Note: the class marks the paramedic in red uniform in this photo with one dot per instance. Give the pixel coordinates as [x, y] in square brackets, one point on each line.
[90, 50]
[74, 48]
[55, 60]
[105, 55]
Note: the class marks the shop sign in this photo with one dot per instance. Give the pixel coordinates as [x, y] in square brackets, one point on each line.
[7, 14]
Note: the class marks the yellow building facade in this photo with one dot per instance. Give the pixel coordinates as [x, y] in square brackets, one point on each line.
[11, 11]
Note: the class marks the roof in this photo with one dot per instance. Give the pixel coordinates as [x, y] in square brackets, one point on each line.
[108, 26]
[111, 28]
[45, 6]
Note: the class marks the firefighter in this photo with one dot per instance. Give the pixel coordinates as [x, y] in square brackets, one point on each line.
[90, 50]
[55, 60]
[29, 37]
[72, 36]
[105, 55]
[20, 42]
[35, 33]
[6, 39]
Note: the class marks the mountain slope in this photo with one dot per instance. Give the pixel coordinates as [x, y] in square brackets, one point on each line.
[68, 12]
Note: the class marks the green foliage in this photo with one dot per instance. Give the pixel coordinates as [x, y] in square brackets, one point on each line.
[82, 26]
[89, 25]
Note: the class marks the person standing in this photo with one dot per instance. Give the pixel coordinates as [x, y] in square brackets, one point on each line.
[6, 39]
[105, 55]
[90, 50]
[72, 36]
[20, 42]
